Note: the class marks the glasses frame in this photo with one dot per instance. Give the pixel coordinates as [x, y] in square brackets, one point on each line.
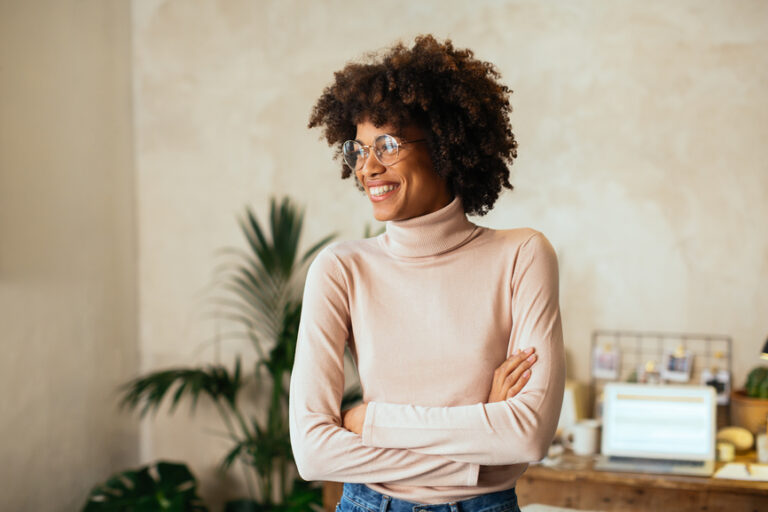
[368, 149]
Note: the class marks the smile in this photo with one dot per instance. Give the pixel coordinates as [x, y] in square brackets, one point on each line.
[381, 193]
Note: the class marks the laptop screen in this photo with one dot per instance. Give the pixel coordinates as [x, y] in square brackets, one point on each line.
[667, 422]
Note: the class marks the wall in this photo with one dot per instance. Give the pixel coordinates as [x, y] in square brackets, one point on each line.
[68, 274]
[642, 158]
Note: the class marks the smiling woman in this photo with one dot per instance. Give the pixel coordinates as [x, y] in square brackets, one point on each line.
[444, 318]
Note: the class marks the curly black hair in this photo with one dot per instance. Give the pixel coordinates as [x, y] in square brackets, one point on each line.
[454, 97]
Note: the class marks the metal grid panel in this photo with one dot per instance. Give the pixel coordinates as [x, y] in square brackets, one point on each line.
[638, 347]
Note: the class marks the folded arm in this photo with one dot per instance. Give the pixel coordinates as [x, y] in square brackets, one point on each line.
[322, 448]
[518, 429]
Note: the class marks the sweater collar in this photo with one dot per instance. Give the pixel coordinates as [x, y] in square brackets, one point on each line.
[430, 234]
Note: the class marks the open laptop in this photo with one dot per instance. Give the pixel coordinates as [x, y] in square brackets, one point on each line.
[658, 429]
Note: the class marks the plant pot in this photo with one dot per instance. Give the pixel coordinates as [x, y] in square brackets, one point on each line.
[747, 412]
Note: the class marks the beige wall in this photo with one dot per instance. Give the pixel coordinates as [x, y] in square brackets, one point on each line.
[642, 156]
[68, 274]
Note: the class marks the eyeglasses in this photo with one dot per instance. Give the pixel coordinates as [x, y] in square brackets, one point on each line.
[385, 147]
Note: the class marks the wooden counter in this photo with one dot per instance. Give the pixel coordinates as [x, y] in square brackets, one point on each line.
[575, 484]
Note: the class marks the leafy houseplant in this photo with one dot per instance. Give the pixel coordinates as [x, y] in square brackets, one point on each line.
[262, 295]
[172, 487]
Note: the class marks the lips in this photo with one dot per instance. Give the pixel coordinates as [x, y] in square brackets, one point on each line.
[385, 195]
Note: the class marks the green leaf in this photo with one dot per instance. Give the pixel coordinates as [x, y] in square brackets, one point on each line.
[213, 381]
[174, 490]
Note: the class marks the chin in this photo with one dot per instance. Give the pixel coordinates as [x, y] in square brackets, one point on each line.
[385, 212]
[381, 216]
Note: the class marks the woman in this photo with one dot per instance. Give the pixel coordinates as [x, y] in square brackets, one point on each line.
[436, 311]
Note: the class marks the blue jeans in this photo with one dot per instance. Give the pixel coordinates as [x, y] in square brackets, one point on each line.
[361, 498]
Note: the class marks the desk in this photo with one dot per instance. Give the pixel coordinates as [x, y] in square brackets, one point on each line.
[575, 484]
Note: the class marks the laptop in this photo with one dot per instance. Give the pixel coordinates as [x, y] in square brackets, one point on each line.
[658, 429]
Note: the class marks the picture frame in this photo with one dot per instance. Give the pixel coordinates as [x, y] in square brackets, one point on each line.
[677, 366]
[606, 362]
[721, 381]
[648, 373]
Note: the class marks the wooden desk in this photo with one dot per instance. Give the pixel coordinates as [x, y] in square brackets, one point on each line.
[576, 485]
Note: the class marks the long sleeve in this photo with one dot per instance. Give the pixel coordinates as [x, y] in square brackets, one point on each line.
[322, 448]
[517, 430]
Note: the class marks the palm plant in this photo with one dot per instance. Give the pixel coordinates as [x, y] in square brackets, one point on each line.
[262, 292]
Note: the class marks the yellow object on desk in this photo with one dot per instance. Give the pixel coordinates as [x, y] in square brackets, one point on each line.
[725, 451]
[744, 471]
[741, 438]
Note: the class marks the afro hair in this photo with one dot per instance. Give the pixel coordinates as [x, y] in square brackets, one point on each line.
[457, 100]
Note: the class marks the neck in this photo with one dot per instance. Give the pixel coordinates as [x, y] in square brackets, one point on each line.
[430, 234]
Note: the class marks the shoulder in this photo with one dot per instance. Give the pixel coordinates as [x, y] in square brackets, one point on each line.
[522, 240]
[535, 259]
[537, 243]
[528, 251]
[337, 255]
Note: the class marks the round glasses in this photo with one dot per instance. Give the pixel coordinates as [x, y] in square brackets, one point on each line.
[385, 147]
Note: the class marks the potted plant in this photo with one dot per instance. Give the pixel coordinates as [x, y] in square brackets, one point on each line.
[262, 290]
[160, 486]
[749, 406]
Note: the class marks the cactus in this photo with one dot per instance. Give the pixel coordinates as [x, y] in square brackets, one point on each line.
[757, 382]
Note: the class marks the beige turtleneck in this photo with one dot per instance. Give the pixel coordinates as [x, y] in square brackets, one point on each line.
[430, 309]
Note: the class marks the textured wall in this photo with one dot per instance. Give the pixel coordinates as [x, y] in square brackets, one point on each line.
[642, 157]
[68, 277]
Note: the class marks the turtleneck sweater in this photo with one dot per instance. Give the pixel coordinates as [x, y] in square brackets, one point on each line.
[429, 309]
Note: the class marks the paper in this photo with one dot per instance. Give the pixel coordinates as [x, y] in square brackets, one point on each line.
[739, 471]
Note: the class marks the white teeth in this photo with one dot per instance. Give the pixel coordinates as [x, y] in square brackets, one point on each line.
[377, 191]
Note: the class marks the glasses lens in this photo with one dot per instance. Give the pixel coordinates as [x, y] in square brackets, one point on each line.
[386, 149]
[354, 154]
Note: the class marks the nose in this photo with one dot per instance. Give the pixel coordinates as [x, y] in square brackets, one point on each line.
[371, 167]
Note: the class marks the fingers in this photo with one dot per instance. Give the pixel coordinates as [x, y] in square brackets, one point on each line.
[518, 356]
[518, 385]
[513, 361]
[522, 367]
[512, 375]
[515, 371]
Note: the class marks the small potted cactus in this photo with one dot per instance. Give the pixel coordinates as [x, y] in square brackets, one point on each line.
[749, 406]
[757, 382]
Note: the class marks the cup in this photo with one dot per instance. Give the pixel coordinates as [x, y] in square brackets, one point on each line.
[583, 437]
[725, 451]
[762, 448]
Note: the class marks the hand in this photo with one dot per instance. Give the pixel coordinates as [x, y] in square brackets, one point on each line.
[352, 419]
[511, 376]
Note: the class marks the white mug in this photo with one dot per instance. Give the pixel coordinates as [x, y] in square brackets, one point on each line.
[762, 448]
[583, 437]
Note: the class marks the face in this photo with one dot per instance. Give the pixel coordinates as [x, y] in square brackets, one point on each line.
[418, 188]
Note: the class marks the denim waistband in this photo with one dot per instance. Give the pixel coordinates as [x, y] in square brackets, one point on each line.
[368, 499]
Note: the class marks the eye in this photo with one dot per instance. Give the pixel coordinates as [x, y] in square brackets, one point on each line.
[387, 145]
[352, 146]
[354, 153]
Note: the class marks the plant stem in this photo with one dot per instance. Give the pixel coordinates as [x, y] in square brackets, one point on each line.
[231, 428]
